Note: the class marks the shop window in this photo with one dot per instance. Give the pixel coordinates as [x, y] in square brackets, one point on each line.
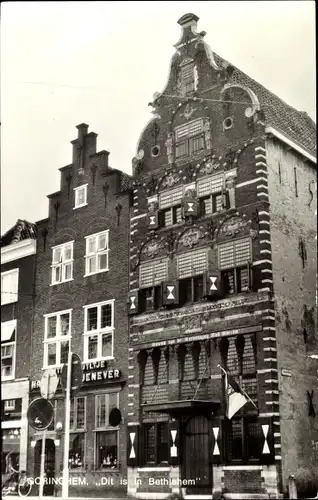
[234, 264]
[77, 451]
[156, 440]
[9, 286]
[62, 263]
[107, 437]
[57, 338]
[99, 331]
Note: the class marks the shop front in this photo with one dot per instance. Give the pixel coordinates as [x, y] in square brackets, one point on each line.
[97, 454]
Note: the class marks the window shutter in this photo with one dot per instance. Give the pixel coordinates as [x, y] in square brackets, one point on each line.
[192, 263]
[171, 197]
[267, 440]
[133, 303]
[153, 220]
[190, 207]
[204, 187]
[153, 273]
[174, 442]
[217, 184]
[256, 278]
[212, 284]
[234, 254]
[133, 445]
[170, 292]
[218, 444]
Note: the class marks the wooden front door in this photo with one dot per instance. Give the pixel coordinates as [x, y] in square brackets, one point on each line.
[196, 467]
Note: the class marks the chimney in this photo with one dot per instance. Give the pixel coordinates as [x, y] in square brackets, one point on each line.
[82, 131]
[189, 20]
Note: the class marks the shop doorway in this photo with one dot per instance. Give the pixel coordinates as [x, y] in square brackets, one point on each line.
[196, 468]
[49, 465]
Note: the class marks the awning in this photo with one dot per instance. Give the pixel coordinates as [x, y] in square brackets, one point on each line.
[182, 407]
[7, 330]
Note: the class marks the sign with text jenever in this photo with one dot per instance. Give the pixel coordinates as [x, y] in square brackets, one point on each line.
[194, 338]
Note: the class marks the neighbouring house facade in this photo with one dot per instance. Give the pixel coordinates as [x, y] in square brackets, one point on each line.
[81, 305]
[18, 249]
[222, 274]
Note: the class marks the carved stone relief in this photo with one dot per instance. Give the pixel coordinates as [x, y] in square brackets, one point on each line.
[170, 180]
[234, 225]
[191, 237]
[169, 146]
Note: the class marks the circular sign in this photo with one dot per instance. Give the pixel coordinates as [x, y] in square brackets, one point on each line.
[40, 414]
[114, 417]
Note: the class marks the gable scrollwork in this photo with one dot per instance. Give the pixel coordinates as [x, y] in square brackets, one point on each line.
[191, 236]
[234, 225]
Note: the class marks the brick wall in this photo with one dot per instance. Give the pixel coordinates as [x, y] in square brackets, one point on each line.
[66, 224]
[293, 217]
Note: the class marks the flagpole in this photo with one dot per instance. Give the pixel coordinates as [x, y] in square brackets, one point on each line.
[245, 394]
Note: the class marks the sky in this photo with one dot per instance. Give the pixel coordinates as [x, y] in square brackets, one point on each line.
[65, 63]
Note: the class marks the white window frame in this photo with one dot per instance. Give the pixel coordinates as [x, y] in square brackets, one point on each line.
[74, 428]
[99, 331]
[89, 255]
[57, 339]
[9, 296]
[14, 353]
[77, 190]
[106, 428]
[63, 263]
[9, 405]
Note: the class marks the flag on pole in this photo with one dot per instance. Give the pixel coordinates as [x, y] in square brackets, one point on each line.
[235, 396]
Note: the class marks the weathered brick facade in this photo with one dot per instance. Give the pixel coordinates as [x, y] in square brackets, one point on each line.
[18, 247]
[206, 287]
[106, 209]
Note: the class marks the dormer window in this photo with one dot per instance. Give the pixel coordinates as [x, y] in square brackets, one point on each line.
[80, 196]
[189, 138]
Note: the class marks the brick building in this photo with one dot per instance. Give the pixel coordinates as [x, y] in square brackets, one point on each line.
[81, 304]
[222, 273]
[18, 248]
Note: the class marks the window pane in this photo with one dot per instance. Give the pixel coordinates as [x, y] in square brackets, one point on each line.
[112, 400]
[106, 319]
[6, 370]
[206, 206]
[229, 282]
[235, 441]
[150, 435]
[182, 149]
[101, 410]
[68, 271]
[92, 318]
[51, 354]
[163, 443]
[64, 351]
[6, 351]
[106, 346]
[80, 413]
[72, 414]
[91, 245]
[92, 347]
[57, 255]
[218, 200]
[185, 291]
[177, 215]
[244, 281]
[102, 242]
[102, 261]
[255, 440]
[68, 252]
[57, 274]
[51, 327]
[76, 453]
[64, 324]
[167, 217]
[198, 288]
[91, 264]
[106, 447]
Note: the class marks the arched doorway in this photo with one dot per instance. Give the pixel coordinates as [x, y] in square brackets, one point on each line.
[196, 465]
[49, 464]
